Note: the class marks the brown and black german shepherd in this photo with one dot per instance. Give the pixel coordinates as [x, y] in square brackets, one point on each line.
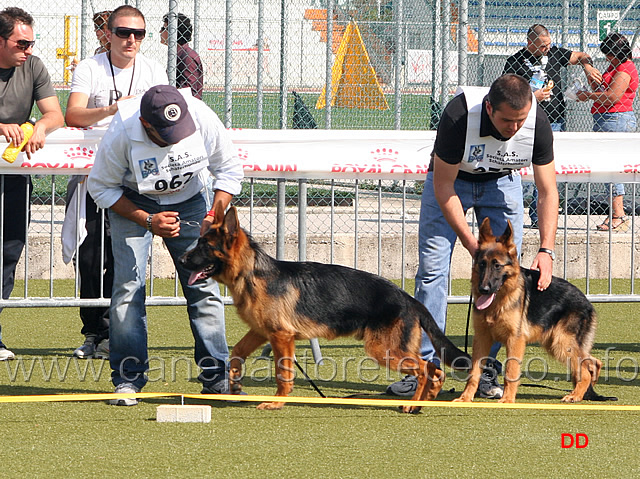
[510, 309]
[282, 301]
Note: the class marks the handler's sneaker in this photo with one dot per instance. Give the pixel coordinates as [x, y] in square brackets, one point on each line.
[488, 387]
[87, 349]
[125, 388]
[219, 385]
[5, 354]
[405, 387]
[102, 350]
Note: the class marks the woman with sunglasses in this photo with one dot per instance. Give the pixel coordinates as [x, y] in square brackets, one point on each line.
[99, 83]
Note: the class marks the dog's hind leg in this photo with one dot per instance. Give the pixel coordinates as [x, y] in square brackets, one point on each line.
[430, 378]
[582, 375]
[388, 349]
[284, 349]
[241, 351]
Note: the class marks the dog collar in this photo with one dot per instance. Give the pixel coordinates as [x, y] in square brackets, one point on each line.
[550, 252]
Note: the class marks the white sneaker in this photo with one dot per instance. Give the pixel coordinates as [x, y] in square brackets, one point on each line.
[87, 349]
[125, 388]
[5, 354]
[102, 350]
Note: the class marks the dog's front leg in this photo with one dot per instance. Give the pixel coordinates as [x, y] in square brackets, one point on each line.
[241, 351]
[481, 347]
[512, 371]
[283, 345]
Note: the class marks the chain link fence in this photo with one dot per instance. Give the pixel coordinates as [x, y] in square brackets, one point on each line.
[347, 64]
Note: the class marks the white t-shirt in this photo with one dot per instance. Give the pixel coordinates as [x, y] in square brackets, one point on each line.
[93, 77]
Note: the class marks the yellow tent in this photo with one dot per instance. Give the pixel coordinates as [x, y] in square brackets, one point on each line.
[353, 80]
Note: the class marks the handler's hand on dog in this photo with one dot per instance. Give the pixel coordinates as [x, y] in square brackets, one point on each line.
[166, 224]
[543, 263]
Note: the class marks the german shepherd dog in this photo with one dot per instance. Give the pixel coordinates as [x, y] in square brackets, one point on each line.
[282, 301]
[509, 308]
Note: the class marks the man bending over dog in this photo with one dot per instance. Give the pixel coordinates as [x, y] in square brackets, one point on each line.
[151, 171]
[483, 137]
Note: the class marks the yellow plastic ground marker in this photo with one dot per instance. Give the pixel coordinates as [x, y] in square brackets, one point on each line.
[384, 403]
[354, 83]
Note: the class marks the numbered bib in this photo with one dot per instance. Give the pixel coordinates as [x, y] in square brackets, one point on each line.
[165, 171]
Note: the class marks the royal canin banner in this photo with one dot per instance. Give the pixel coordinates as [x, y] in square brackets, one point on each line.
[363, 154]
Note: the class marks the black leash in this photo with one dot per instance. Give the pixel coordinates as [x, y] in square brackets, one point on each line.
[308, 378]
[466, 334]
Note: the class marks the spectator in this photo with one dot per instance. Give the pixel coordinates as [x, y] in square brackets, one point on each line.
[168, 130]
[481, 140]
[612, 109]
[100, 24]
[540, 60]
[189, 71]
[23, 80]
[100, 20]
[99, 83]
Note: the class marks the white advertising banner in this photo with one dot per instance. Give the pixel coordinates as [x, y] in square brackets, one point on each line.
[371, 154]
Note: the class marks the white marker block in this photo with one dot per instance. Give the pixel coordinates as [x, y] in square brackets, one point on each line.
[170, 413]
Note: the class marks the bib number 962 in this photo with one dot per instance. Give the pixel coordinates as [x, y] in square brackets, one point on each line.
[176, 182]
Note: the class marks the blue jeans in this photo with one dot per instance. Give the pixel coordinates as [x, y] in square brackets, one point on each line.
[499, 200]
[128, 318]
[533, 206]
[624, 121]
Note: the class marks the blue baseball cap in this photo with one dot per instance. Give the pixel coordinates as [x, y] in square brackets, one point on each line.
[164, 107]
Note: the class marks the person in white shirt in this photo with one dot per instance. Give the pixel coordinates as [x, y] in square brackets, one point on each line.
[99, 83]
[151, 170]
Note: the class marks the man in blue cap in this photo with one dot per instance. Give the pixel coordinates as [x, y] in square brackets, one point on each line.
[151, 170]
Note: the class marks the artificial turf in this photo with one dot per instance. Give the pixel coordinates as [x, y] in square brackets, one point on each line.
[88, 439]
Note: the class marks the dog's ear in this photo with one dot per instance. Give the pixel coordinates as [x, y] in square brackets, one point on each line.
[218, 212]
[485, 231]
[507, 236]
[231, 221]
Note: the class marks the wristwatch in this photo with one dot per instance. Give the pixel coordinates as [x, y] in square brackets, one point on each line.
[550, 252]
[149, 220]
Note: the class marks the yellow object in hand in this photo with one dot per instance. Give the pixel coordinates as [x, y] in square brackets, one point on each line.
[11, 152]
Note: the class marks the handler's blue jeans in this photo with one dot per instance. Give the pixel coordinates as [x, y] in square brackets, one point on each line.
[499, 200]
[624, 121]
[128, 319]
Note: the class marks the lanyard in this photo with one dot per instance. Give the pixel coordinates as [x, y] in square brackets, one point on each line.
[113, 76]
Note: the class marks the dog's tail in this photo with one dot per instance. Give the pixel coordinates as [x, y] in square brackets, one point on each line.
[592, 395]
[445, 349]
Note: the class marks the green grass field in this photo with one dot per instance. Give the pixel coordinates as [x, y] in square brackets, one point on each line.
[87, 439]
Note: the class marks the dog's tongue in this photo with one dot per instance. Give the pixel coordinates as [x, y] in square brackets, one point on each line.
[195, 276]
[483, 302]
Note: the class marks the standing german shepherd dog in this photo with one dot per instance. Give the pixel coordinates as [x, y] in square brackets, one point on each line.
[282, 301]
[509, 308]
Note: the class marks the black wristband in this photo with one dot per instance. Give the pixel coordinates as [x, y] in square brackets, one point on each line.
[149, 222]
[550, 252]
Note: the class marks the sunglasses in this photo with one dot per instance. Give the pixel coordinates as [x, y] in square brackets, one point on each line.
[23, 45]
[123, 32]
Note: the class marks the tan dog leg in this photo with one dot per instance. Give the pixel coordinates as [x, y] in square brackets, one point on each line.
[481, 348]
[515, 352]
[284, 350]
[241, 351]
